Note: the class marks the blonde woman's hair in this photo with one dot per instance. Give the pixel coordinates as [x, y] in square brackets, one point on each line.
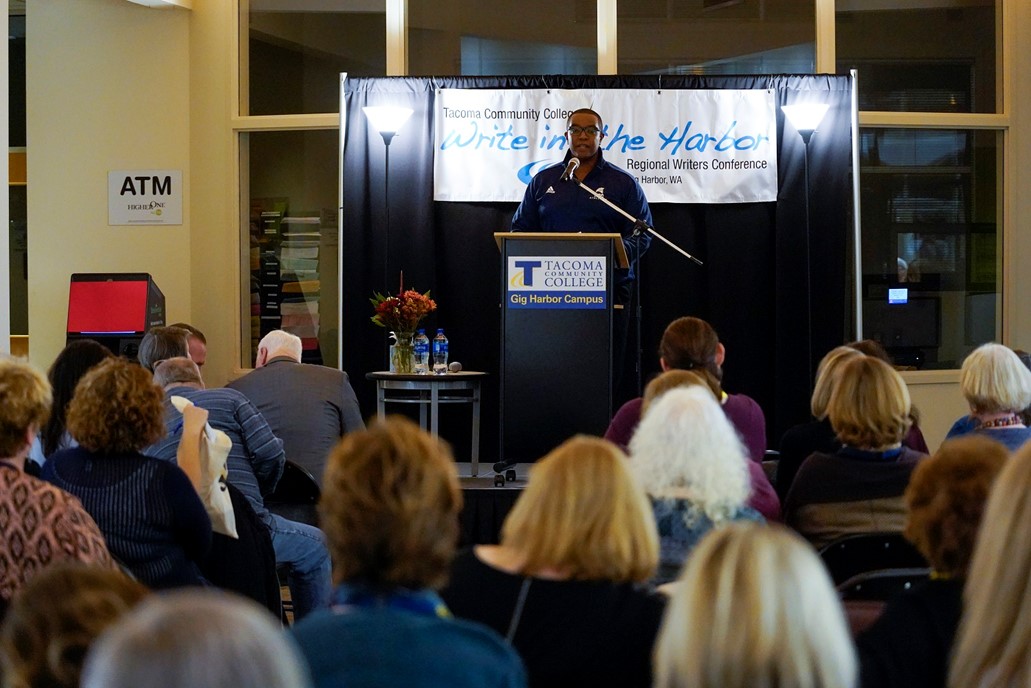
[675, 377]
[993, 644]
[24, 403]
[869, 405]
[686, 446]
[754, 607]
[584, 513]
[994, 380]
[827, 376]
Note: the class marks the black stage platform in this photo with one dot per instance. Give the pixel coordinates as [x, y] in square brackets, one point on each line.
[484, 505]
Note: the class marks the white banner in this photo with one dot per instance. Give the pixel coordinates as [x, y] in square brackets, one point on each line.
[684, 146]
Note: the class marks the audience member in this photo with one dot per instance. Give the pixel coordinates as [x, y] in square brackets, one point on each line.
[997, 386]
[754, 607]
[915, 437]
[564, 585]
[690, 344]
[309, 407]
[255, 464]
[149, 512]
[695, 470]
[761, 496]
[672, 379]
[55, 618]
[909, 644]
[65, 372]
[817, 435]
[196, 342]
[161, 343]
[858, 488]
[993, 644]
[390, 511]
[195, 639]
[41, 524]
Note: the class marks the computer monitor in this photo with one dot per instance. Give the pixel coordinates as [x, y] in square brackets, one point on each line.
[903, 321]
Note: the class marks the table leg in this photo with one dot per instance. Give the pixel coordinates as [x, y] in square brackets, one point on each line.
[476, 430]
[434, 409]
[381, 399]
[423, 400]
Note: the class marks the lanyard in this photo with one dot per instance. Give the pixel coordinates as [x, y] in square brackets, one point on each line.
[426, 602]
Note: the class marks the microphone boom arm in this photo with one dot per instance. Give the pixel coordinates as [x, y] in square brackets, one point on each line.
[639, 224]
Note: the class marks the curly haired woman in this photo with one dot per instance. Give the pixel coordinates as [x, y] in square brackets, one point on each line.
[147, 509]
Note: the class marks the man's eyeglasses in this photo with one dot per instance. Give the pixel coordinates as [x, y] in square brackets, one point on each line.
[590, 131]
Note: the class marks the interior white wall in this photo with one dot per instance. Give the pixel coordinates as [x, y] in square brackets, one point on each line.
[107, 89]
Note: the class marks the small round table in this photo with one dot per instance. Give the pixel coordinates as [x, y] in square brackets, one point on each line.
[429, 391]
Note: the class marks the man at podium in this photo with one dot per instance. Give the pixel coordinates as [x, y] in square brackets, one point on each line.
[554, 203]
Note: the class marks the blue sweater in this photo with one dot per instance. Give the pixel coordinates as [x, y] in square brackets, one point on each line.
[382, 645]
[149, 513]
[551, 205]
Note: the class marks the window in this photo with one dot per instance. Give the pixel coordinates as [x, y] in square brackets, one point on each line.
[292, 242]
[293, 55]
[930, 237]
[931, 59]
[716, 37]
[473, 38]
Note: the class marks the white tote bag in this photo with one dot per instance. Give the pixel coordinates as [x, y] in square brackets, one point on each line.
[202, 455]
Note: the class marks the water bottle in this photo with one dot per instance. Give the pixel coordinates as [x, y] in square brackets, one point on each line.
[440, 353]
[421, 347]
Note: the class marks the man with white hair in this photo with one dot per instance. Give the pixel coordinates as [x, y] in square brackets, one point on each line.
[309, 407]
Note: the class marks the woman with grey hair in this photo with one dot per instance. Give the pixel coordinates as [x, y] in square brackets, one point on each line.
[694, 468]
[195, 639]
[997, 386]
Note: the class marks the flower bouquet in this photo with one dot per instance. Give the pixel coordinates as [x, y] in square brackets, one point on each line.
[402, 315]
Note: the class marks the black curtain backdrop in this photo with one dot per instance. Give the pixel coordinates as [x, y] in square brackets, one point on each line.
[752, 288]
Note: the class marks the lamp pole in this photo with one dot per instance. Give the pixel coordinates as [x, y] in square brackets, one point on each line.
[806, 117]
[387, 120]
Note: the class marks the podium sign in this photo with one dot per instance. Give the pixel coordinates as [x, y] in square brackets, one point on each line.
[556, 344]
[567, 282]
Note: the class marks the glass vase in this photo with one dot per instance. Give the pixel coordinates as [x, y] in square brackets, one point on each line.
[402, 354]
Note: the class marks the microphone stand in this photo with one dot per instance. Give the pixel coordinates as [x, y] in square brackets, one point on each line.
[640, 227]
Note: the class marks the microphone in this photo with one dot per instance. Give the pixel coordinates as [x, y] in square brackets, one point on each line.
[454, 367]
[570, 169]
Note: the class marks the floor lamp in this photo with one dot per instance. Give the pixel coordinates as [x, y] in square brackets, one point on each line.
[387, 120]
[805, 118]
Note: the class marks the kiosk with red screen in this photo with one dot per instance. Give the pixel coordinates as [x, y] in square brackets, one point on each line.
[116, 309]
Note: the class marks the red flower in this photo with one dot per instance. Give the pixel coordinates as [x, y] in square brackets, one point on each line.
[402, 313]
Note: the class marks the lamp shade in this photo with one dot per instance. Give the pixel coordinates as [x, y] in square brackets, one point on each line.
[387, 119]
[805, 117]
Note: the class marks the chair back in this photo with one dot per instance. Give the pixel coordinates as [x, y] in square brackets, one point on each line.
[881, 585]
[854, 554]
[246, 565]
[296, 495]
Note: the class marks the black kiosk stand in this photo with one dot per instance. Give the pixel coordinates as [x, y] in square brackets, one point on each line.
[556, 344]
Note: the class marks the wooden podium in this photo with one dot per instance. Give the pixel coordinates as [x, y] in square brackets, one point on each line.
[556, 338]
